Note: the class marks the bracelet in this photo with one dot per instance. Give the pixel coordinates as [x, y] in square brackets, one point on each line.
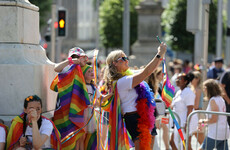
[158, 56]
[70, 61]
[203, 124]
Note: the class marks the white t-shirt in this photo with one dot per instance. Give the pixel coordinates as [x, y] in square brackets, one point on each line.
[127, 94]
[46, 128]
[2, 135]
[181, 100]
[221, 124]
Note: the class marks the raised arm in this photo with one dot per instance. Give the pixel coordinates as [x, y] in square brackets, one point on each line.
[152, 65]
[60, 66]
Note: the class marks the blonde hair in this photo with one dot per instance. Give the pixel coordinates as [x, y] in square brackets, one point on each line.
[153, 82]
[198, 75]
[112, 72]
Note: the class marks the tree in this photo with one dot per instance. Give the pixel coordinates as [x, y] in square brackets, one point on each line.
[111, 15]
[174, 24]
[44, 9]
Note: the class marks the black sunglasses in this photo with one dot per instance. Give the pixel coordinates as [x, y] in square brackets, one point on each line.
[123, 58]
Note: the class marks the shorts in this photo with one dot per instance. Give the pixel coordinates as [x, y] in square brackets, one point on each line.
[211, 144]
[131, 126]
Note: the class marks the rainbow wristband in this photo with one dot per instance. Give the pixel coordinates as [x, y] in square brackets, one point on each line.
[70, 61]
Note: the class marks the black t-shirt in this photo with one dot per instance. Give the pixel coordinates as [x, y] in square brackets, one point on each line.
[225, 79]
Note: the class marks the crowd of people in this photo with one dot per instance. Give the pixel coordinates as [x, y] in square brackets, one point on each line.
[119, 111]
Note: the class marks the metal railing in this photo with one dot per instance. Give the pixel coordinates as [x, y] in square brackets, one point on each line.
[159, 135]
[206, 113]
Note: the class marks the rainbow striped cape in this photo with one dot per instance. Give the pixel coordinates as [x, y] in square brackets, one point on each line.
[117, 137]
[16, 130]
[73, 99]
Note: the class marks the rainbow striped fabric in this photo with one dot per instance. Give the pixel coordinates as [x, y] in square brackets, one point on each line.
[117, 136]
[167, 96]
[73, 99]
[16, 131]
[91, 141]
[168, 89]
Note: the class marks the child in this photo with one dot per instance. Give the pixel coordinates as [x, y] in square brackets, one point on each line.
[91, 127]
[31, 130]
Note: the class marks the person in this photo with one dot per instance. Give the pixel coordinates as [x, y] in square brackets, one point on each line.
[182, 104]
[186, 66]
[154, 81]
[74, 103]
[69, 113]
[198, 104]
[225, 85]
[217, 140]
[31, 130]
[177, 71]
[3, 134]
[129, 87]
[216, 71]
[91, 127]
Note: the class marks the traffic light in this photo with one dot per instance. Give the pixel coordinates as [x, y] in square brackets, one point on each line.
[61, 22]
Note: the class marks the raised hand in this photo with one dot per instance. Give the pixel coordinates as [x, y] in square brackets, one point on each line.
[22, 141]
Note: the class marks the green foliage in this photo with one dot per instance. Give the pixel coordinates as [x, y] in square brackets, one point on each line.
[44, 9]
[111, 15]
[174, 24]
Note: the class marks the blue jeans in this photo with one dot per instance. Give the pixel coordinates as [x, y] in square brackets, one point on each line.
[211, 144]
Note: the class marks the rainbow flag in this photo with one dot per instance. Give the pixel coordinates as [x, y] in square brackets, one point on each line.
[95, 65]
[16, 130]
[117, 135]
[73, 99]
[168, 89]
[167, 96]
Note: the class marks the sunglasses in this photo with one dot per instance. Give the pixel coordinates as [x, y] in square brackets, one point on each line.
[123, 58]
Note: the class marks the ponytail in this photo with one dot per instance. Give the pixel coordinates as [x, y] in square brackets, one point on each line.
[189, 77]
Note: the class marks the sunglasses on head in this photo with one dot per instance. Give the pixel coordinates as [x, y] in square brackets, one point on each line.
[123, 58]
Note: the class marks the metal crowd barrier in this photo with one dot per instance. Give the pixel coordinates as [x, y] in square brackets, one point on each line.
[205, 114]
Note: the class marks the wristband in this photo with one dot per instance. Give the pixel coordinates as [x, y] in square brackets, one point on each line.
[203, 124]
[70, 61]
[158, 56]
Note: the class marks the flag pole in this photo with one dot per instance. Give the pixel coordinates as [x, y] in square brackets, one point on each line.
[167, 87]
